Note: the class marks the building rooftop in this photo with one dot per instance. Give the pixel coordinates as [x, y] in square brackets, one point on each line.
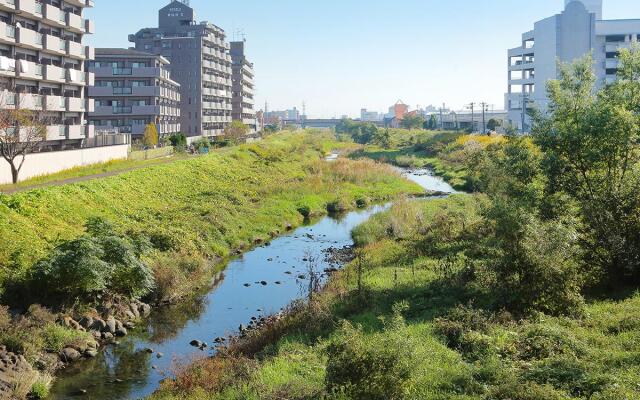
[122, 52]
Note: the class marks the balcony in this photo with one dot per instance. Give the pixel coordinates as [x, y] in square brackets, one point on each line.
[76, 77]
[75, 23]
[81, 3]
[54, 74]
[76, 104]
[56, 132]
[8, 5]
[55, 103]
[75, 50]
[75, 132]
[612, 63]
[53, 44]
[89, 53]
[89, 26]
[89, 131]
[28, 7]
[28, 38]
[90, 106]
[54, 16]
[31, 101]
[7, 33]
[29, 70]
[146, 110]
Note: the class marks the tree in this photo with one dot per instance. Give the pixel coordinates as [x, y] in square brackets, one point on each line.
[412, 122]
[590, 142]
[178, 141]
[150, 138]
[493, 124]
[21, 130]
[432, 123]
[236, 132]
[382, 138]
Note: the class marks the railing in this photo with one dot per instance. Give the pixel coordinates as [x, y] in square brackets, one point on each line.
[102, 140]
[122, 110]
[122, 90]
[11, 31]
[122, 71]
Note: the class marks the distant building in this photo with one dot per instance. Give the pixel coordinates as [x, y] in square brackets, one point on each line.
[200, 61]
[370, 116]
[398, 110]
[242, 87]
[575, 32]
[466, 120]
[289, 115]
[132, 90]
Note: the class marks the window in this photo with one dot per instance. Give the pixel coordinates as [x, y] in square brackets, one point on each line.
[615, 38]
[147, 46]
[166, 45]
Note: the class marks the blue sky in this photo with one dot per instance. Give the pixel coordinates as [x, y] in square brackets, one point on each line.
[342, 55]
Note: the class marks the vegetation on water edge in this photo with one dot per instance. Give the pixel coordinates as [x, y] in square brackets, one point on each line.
[155, 232]
[527, 291]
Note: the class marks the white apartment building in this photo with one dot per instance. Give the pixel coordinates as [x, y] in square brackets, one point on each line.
[43, 65]
[572, 34]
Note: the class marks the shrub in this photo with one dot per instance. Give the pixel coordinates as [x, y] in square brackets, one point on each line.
[337, 206]
[305, 211]
[369, 367]
[40, 389]
[101, 261]
[541, 342]
[570, 375]
[56, 337]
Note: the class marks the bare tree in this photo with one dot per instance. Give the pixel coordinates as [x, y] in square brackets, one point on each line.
[236, 132]
[22, 128]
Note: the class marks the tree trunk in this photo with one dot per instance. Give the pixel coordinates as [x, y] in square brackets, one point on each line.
[14, 173]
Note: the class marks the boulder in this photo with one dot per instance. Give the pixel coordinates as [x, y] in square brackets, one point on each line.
[145, 310]
[196, 343]
[107, 335]
[91, 353]
[98, 325]
[110, 325]
[86, 322]
[69, 355]
[121, 331]
[159, 355]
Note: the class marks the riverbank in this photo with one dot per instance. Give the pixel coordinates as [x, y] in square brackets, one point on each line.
[190, 212]
[405, 331]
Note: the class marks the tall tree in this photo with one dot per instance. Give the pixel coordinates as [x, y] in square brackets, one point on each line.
[236, 132]
[150, 138]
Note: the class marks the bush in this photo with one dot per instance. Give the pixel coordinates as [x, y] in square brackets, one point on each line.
[178, 141]
[56, 337]
[41, 387]
[366, 367]
[337, 206]
[541, 342]
[305, 211]
[570, 375]
[101, 261]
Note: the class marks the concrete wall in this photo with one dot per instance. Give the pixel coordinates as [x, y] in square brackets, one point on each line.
[56, 161]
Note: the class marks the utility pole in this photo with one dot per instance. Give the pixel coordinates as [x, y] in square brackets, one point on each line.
[472, 106]
[485, 108]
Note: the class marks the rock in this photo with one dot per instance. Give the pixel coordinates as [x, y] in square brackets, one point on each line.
[159, 355]
[278, 283]
[145, 310]
[148, 350]
[92, 344]
[289, 273]
[196, 343]
[91, 353]
[110, 325]
[129, 315]
[289, 227]
[247, 284]
[269, 259]
[129, 325]
[107, 335]
[263, 283]
[69, 355]
[135, 311]
[302, 277]
[98, 325]
[86, 322]
[80, 392]
[96, 335]
[122, 331]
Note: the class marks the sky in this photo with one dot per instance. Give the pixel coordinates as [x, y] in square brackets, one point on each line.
[339, 56]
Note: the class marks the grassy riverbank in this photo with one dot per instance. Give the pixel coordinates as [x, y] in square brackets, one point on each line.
[191, 212]
[444, 152]
[408, 332]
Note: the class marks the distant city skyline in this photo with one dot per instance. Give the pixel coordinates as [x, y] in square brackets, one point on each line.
[339, 57]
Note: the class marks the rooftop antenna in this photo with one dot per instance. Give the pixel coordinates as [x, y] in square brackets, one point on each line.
[238, 35]
[185, 2]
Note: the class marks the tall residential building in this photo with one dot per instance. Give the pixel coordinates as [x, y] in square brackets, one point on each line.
[572, 34]
[242, 87]
[133, 89]
[43, 65]
[199, 61]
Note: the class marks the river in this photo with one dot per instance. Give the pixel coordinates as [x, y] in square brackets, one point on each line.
[128, 371]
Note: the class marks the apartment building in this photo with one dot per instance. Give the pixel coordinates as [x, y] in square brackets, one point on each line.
[575, 32]
[199, 61]
[43, 66]
[132, 90]
[242, 88]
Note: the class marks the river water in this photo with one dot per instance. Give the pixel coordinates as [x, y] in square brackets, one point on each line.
[127, 371]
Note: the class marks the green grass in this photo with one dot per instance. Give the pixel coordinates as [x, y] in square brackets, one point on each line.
[596, 357]
[136, 161]
[207, 206]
